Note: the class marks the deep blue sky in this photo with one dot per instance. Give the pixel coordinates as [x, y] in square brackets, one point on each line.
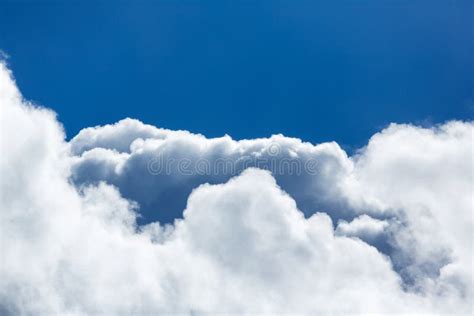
[334, 71]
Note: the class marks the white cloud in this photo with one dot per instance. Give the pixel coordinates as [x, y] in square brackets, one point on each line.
[425, 178]
[362, 226]
[307, 172]
[242, 245]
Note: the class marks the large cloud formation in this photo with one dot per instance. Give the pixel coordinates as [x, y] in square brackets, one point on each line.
[281, 226]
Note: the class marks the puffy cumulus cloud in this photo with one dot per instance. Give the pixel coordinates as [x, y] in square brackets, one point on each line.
[376, 232]
[160, 168]
[242, 244]
[118, 136]
[416, 183]
[363, 226]
[425, 178]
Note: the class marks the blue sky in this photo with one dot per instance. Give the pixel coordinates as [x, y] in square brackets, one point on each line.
[250, 69]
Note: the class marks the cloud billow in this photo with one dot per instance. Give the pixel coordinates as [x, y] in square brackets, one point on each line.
[249, 241]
